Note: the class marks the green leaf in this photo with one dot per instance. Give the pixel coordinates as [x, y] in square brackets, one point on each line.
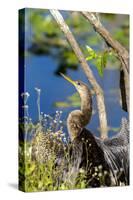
[99, 65]
[92, 53]
[104, 58]
[89, 57]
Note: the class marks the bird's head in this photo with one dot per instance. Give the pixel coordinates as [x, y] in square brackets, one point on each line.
[81, 87]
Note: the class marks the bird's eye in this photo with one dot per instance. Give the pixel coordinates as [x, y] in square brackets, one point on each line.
[78, 83]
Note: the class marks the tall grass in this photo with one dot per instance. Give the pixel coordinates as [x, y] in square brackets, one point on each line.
[48, 171]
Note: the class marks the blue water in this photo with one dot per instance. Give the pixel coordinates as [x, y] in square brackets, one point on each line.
[39, 73]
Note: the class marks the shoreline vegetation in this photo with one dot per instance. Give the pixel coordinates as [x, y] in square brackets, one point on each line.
[49, 161]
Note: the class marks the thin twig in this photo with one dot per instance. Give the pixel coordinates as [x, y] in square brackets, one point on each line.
[87, 70]
[121, 51]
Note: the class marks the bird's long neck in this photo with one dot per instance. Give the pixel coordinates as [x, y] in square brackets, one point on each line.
[86, 104]
[78, 119]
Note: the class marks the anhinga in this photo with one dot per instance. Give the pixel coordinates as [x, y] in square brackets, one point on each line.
[78, 119]
[112, 154]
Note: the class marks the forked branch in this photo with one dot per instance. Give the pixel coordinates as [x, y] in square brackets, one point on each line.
[121, 51]
[87, 70]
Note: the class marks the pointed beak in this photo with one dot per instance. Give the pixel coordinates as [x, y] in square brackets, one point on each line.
[68, 79]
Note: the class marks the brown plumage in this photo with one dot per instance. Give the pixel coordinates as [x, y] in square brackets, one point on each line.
[78, 119]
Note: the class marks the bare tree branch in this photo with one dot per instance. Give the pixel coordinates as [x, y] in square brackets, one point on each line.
[122, 53]
[87, 70]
